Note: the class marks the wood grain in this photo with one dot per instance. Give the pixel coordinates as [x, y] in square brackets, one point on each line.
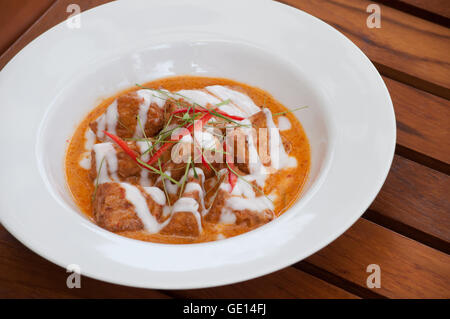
[433, 10]
[56, 14]
[406, 48]
[408, 268]
[16, 17]
[440, 7]
[404, 43]
[416, 196]
[412, 106]
[24, 274]
[287, 283]
[422, 120]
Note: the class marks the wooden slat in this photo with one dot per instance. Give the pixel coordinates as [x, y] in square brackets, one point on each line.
[440, 7]
[422, 120]
[50, 18]
[16, 17]
[289, 283]
[286, 283]
[23, 274]
[408, 268]
[416, 196]
[404, 43]
[412, 106]
[26, 275]
[433, 10]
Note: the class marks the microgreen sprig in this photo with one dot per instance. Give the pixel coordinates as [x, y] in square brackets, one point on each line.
[290, 111]
[160, 172]
[96, 180]
[164, 183]
[184, 178]
[249, 183]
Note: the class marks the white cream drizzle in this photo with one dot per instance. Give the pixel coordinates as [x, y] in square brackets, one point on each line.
[256, 167]
[225, 187]
[108, 120]
[200, 97]
[278, 156]
[143, 146]
[199, 172]
[220, 237]
[167, 210]
[151, 96]
[240, 100]
[185, 204]
[148, 97]
[243, 188]
[101, 126]
[156, 194]
[192, 187]
[188, 205]
[205, 139]
[243, 195]
[90, 139]
[227, 216]
[197, 186]
[85, 161]
[283, 123]
[170, 187]
[232, 109]
[257, 204]
[110, 163]
[135, 197]
[186, 139]
[111, 117]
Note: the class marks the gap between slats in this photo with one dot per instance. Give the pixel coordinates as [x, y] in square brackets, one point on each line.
[422, 159]
[25, 275]
[412, 80]
[437, 90]
[380, 47]
[289, 283]
[413, 202]
[337, 280]
[400, 76]
[17, 19]
[416, 11]
[408, 268]
[407, 231]
[391, 224]
[20, 37]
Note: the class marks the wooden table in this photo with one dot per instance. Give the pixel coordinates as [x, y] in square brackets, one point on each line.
[406, 231]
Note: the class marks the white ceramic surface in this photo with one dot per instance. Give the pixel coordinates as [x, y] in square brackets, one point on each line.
[52, 83]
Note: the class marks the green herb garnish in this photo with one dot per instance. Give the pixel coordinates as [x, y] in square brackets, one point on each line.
[96, 180]
[290, 111]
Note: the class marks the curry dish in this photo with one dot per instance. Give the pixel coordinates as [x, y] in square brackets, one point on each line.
[187, 159]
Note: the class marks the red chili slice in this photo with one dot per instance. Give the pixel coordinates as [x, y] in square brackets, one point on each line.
[204, 119]
[232, 179]
[205, 164]
[124, 146]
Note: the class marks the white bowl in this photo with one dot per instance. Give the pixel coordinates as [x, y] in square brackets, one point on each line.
[49, 87]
